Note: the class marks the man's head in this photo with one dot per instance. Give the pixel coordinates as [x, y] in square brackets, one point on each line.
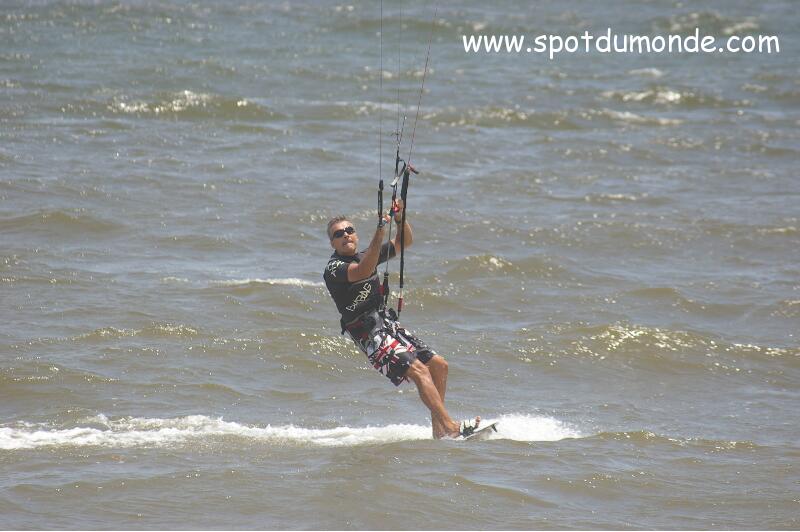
[343, 236]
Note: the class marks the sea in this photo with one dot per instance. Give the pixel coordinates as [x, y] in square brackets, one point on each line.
[606, 251]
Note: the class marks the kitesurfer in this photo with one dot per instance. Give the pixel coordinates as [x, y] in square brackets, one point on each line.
[352, 280]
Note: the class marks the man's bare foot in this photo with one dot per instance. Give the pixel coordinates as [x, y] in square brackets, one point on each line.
[465, 428]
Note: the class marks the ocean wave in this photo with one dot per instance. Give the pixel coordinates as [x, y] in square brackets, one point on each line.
[474, 266]
[175, 280]
[606, 233]
[247, 282]
[33, 373]
[327, 346]
[487, 262]
[64, 222]
[648, 437]
[673, 351]
[787, 308]
[615, 197]
[770, 151]
[323, 155]
[189, 104]
[162, 330]
[665, 96]
[711, 22]
[156, 330]
[343, 109]
[530, 428]
[782, 95]
[605, 340]
[45, 373]
[289, 281]
[99, 431]
[752, 234]
[197, 241]
[347, 19]
[786, 230]
[626, 117]
[499, 116]
[43, 280]
[647, 72]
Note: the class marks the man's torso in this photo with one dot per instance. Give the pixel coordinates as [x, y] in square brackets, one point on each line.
[353, 299]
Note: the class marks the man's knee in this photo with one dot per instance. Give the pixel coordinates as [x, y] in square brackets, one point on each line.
[417, 371]
[438, 364]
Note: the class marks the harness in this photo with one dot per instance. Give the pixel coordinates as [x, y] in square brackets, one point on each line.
[362, 327]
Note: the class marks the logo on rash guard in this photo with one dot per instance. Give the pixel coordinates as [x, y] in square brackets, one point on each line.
[332, 265]
[362, 296]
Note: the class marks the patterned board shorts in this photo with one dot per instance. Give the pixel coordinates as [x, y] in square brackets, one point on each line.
[390, 348]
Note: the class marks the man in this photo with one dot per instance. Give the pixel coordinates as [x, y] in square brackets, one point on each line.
[352, 280]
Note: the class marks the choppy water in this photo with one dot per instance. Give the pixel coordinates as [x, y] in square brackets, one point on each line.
[606, 252]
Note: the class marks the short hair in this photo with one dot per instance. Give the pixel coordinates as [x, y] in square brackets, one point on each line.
[335, 220]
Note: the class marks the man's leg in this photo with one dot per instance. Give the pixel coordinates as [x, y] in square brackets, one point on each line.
[443, 424]
[438, 368]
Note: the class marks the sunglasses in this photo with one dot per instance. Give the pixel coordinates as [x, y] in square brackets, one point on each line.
[339, 233]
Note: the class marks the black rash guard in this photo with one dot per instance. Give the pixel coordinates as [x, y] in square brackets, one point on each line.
[354, 299]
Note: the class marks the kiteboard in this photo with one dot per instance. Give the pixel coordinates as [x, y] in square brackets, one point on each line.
[481, 433]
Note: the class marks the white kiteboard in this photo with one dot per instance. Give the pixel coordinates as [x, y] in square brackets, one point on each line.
[481, 433]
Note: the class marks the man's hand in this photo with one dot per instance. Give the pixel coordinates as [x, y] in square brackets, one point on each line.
[382, 221]
[397, 210]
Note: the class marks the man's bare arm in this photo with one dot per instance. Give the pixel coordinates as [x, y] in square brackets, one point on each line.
[408, 237]
[362, 270]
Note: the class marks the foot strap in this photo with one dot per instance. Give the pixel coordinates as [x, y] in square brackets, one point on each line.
[468, 426]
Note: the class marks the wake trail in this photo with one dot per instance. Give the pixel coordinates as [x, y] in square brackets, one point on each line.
[99, 431]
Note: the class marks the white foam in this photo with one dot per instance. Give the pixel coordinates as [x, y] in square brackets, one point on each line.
[647, 72]
[180, 102]
[290, 281]
[171, 279]
[156, 432]
[633, 118]
[523, 427]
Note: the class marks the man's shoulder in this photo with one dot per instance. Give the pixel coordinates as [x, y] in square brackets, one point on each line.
[340, 259]
[334, 263]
